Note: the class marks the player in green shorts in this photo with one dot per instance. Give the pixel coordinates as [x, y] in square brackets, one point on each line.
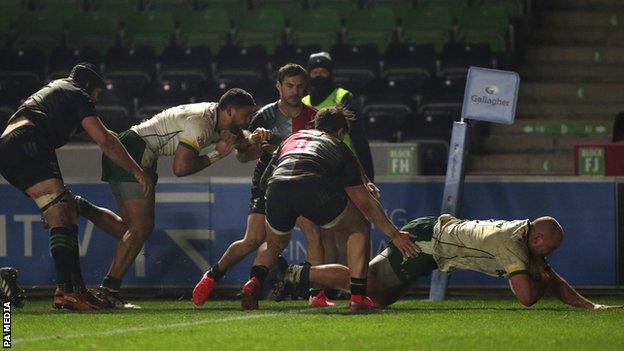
[512, 249]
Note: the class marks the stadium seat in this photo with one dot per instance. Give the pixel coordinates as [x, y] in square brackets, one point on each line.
[315, 27]
[11, 12]
[485, 24]
[354, 67]
[187, 69]
[16, 86]
[263, 27]
[99, 30]
[205, 28]
[343, 7]
[164, 93]
[42, 29]
[116, 95]
[234, 8]
[385, 119]
[114, 6]
[115, 118]
[292, 54]
[153, 28]
[5, 113]
[371, 26]
[441, 96]
[31, 61]
[409, 62]
[131, 68]
[287, 7]
[452, 3]
[432, 24]
[433, 125]
[514, 8]
[241, 65]
[432, 157]
[458, 57]
[399, 7]
[173, 6]
[59, 5]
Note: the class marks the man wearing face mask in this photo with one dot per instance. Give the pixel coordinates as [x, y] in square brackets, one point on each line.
[182, 132]
[325, 93]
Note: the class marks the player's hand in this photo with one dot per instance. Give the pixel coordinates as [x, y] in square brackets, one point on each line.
[146, 182]
[407, 247]
[259, 135]
[374, 190]
[598, 307]
[228, 137]
[224, 148]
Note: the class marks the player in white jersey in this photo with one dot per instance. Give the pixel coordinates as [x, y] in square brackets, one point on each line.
[512, 249]
[182, 132]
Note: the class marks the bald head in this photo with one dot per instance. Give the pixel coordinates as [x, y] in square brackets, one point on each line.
[545, 236]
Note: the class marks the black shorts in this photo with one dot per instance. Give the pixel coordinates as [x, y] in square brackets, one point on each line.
[27, 158]
[285, 201]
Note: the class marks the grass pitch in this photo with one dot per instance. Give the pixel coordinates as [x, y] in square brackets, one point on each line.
[455, 324]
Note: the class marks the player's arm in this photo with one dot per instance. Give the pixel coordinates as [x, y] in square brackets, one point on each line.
[372, 209]
[249, 146]
[527, 290]
[114, 150]
[187, 159]
[567, 294]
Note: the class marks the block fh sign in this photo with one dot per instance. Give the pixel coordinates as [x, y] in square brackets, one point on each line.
[401, 161]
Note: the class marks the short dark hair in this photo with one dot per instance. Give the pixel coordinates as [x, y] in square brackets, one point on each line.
[236, 97]
[332, 119]
[291, 70]
[87, 75]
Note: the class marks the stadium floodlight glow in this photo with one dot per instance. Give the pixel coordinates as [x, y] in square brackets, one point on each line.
[490, 95]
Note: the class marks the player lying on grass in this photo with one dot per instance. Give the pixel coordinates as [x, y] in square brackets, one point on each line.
[513, 249]
[315, 175]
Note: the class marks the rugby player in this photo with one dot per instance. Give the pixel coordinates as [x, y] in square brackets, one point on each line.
[282, 118]
[42, 124]
[516, 250]
[182, 131]
[315, 175]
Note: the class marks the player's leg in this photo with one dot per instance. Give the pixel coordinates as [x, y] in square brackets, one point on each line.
[137, 212]
[101, 217]
[281, 215]
[236, 252]
[57, 207]
[315, 256]
[354, 226]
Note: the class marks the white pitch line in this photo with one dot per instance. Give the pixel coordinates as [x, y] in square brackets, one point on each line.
[157, 327]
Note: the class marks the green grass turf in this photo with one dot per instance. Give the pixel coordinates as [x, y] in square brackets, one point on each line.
[456, 324]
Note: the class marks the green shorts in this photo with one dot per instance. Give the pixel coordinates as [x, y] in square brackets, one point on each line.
[137, 149]
[411, 269]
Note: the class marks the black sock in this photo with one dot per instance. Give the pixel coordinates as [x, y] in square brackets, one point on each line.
[76, 274]
[259, 272]
[216, 273]
[358, 286]
[61, 242]
[111, 283]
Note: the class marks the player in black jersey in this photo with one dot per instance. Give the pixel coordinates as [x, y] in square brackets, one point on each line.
[315, 175]
[42, 124]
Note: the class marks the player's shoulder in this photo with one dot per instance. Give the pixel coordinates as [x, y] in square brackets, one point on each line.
[267, 110]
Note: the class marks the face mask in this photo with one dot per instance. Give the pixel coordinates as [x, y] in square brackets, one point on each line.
[321, 83]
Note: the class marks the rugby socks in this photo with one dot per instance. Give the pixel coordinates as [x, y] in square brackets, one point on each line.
[216, 273]
[111, 284]
[76, 274]
[358, 286]
[61, 248]
[259, 272]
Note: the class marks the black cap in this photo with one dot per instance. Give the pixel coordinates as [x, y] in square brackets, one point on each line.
[320, 60]
[87, 75]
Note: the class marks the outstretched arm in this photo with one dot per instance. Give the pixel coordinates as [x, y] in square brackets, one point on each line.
[567, 294]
